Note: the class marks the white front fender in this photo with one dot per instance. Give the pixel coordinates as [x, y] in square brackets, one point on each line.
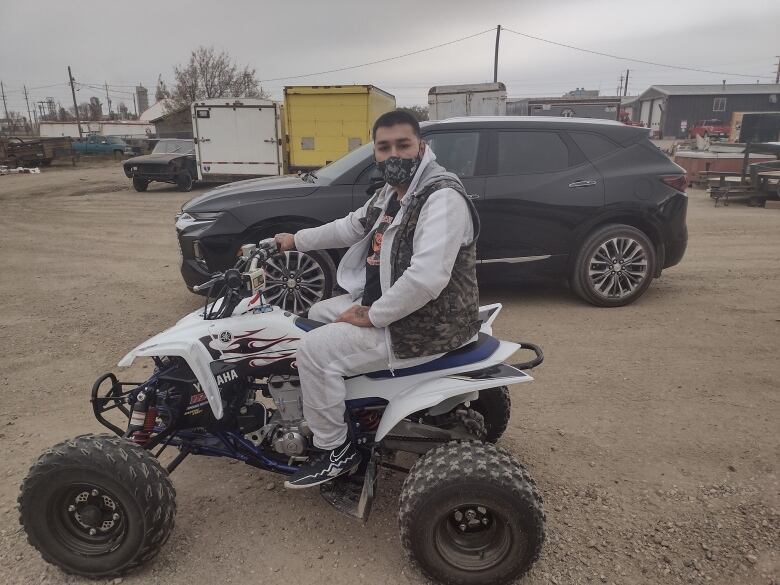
[194, 353]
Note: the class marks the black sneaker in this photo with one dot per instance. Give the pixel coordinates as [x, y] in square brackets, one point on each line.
[325, 466]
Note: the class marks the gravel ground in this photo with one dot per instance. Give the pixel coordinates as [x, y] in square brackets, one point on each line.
[652, 430]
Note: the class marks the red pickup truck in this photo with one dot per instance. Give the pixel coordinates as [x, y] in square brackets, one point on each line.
[713, 128]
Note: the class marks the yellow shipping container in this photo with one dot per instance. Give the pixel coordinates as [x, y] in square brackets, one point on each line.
[325, 122]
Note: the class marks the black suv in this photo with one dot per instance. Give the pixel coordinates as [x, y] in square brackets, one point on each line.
[592, 201]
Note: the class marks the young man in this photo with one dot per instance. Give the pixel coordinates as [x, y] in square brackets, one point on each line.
[410, 277]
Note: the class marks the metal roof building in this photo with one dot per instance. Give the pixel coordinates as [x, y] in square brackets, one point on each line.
[670, 110]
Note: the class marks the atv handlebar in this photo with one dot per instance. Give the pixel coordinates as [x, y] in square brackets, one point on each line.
[206, 285]
[534, 362]
[262, 251]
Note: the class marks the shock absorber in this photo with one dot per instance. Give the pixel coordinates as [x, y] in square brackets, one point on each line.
[142, 418]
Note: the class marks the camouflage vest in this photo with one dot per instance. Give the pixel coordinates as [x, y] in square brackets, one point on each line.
[451, 319]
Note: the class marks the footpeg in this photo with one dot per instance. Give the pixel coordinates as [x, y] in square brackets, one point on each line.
[352, 495]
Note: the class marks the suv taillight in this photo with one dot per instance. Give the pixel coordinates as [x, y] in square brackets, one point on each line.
[679, 182]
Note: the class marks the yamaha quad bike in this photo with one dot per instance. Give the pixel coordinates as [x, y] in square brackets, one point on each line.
[225, 384]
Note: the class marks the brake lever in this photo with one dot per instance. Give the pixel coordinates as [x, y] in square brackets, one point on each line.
[209, 284]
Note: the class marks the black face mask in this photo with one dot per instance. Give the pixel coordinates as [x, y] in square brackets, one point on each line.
[398, 171]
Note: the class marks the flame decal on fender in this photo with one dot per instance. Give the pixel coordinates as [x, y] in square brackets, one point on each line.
[252, 349]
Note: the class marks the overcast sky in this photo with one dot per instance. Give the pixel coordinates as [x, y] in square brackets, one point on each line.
[125, 43]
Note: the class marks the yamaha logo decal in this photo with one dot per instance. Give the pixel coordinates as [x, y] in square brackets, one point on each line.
[226, 337]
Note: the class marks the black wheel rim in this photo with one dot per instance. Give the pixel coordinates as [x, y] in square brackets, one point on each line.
[475, 537]
[88, 519]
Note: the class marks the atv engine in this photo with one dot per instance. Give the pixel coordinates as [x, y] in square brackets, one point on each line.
[287, 431]
[286, 392]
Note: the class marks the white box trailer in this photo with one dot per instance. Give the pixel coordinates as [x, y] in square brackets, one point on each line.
[477, 99]
[237, 138]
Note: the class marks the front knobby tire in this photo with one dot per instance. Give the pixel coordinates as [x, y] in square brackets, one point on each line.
[97, 506]
[470, 514]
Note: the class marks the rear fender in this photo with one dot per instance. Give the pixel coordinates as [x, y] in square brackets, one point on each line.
[488, 314]
[450, 387]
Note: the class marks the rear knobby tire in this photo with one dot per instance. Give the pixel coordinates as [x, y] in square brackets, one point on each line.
[97, 483]
[480, 484]
[496, 408]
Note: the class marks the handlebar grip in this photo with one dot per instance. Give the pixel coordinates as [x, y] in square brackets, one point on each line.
[269, 244]
[208, 284]
[534, 362]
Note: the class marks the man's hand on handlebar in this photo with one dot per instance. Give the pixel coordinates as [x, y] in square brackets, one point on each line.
[286, 242]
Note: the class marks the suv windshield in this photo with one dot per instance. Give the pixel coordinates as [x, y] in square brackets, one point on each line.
[171, 146]
[339, 166]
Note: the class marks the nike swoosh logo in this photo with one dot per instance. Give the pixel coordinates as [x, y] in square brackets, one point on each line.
[336, 456]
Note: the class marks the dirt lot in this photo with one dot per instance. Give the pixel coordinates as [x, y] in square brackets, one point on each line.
[652, 430]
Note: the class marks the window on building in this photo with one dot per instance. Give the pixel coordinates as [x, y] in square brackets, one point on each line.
[719, 104]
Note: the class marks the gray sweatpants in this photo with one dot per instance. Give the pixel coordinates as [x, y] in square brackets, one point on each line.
[325, 356]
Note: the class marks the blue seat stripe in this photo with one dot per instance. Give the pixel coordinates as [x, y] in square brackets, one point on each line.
[476, 351]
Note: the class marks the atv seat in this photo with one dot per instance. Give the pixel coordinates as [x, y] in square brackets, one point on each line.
[482, 348]
[476, 351]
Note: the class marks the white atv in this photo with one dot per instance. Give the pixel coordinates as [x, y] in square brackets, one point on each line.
[225, 384]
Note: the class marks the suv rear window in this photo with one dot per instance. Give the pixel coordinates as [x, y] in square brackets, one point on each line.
[593, 145]
[525, 152]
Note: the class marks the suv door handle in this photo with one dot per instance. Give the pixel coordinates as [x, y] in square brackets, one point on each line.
[582, 183]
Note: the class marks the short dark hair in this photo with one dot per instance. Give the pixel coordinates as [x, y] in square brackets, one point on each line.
[394, 118]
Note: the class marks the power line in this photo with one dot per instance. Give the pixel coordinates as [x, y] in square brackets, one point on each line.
[34, 88]
[379, 60]
[526, 35]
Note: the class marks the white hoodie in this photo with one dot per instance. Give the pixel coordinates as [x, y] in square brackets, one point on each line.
[444, 225]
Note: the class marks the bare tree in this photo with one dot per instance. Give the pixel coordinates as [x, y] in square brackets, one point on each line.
[209, 74]
[85, 111]
[419, 112]
[161, 92]
[95, 109]
[15, 121]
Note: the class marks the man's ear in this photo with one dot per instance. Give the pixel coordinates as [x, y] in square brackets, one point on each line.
[423, 146]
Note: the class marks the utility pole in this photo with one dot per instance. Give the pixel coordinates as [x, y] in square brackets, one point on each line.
[5, 107]
[29, 115]
[135, 106]
[620, 85]
[495, 60]
[625, 89]
[777, 75]
[108, 100]
[75, 105]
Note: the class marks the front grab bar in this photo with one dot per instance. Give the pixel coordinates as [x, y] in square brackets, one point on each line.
[534, 362]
